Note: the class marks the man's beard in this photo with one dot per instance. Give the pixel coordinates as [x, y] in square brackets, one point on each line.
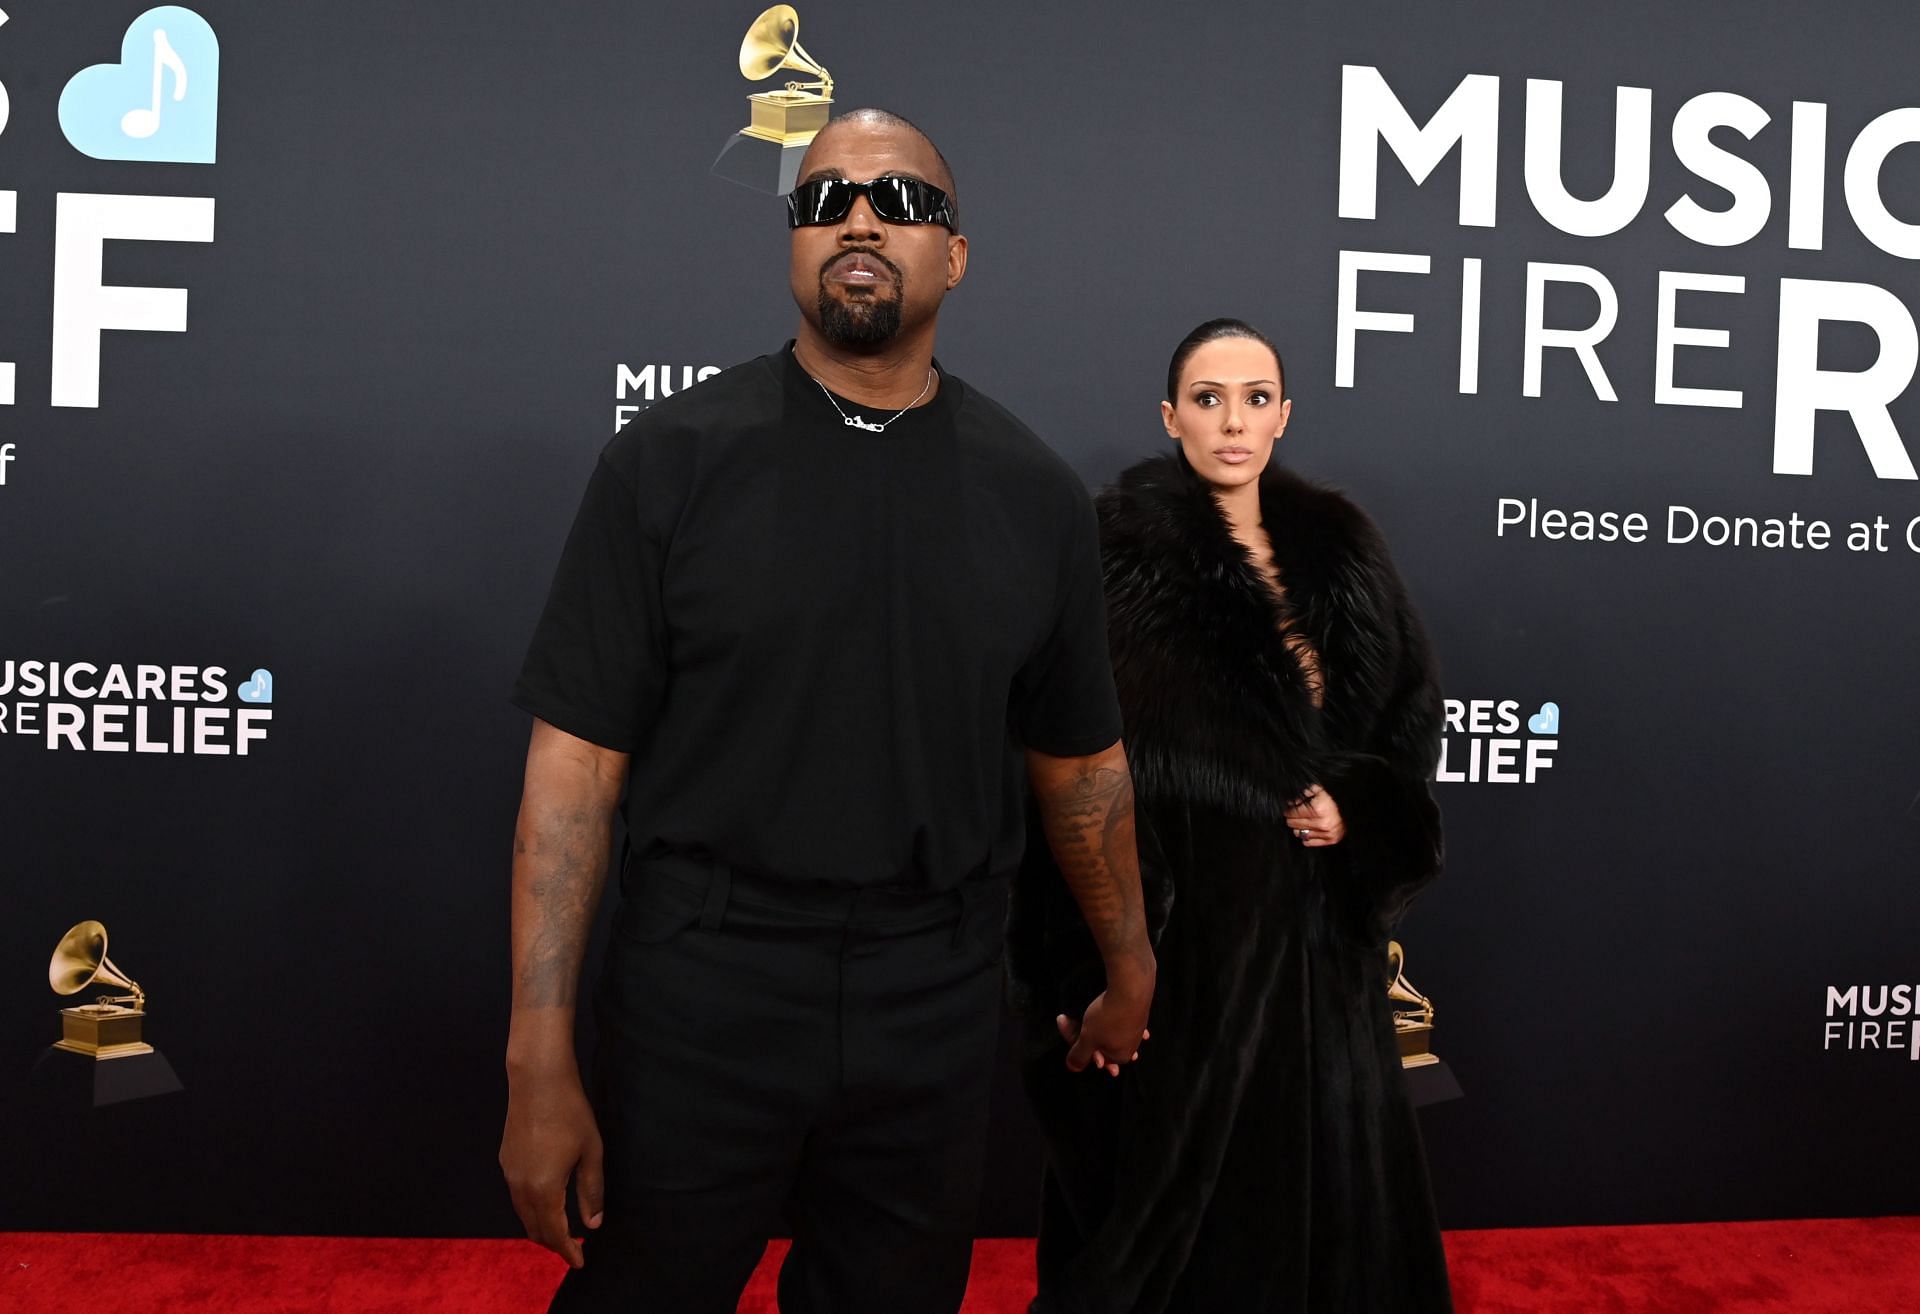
[867, 321]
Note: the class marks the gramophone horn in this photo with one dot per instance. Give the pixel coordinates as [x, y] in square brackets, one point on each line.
[1399, 989]
[80, 960]
[773, 43]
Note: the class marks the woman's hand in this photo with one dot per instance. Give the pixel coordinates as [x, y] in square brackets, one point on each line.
[1316, 820]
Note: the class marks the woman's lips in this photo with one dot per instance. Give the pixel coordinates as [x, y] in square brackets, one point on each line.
[1233, 455]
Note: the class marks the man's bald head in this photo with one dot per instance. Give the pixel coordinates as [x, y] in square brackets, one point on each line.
[875, 120]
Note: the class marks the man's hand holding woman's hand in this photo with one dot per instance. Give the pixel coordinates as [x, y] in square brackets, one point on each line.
[1115, 1023]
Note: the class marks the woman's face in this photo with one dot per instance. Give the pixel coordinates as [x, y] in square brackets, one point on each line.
[1228, 413]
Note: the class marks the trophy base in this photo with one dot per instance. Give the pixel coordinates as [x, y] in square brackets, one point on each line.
[786, 118]
[756, 162]
[102, 1052]
[1429, 1081]
[1416, 1044]
[65, 1077]
[102, 1031]
[1432, 1083]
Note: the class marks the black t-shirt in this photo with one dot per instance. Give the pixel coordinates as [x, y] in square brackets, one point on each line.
[826, 647]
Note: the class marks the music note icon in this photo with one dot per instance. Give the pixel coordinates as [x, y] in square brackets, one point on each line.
[124, 110]
[144, 122]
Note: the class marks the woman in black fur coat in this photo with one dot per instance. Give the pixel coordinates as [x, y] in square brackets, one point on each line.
[1281, 723]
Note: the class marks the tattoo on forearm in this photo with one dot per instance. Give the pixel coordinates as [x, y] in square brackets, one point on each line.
[1089, 824]
[561, 866]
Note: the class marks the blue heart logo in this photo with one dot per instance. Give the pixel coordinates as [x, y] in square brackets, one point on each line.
[161, 102]
[259, 689]
[1546, 721]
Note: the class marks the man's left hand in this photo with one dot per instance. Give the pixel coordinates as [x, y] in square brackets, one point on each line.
[1109, 1035]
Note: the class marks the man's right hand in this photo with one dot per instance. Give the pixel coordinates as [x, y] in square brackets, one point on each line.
[551, 1136]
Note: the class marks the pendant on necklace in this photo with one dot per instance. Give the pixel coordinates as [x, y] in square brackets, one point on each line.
[861, 421]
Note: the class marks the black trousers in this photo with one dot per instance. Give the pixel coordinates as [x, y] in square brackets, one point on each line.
[772, 1055]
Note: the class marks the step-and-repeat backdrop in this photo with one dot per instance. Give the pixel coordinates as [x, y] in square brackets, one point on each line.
[316, 316]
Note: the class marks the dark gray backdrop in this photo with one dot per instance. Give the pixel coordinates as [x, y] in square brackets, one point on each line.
[441, 228]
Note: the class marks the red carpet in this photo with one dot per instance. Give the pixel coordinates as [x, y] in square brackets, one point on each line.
[1848, 1266]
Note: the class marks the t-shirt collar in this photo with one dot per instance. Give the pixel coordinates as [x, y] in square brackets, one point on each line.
[801, 385]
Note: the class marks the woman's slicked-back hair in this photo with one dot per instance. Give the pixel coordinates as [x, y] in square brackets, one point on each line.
[1212, 331]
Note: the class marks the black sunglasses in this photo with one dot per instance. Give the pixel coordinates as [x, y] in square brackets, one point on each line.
[897, 200]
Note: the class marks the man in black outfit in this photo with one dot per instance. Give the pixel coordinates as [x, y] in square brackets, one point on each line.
[811, 617]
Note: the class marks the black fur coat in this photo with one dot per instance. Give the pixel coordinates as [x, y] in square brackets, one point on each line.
[1262, 1155]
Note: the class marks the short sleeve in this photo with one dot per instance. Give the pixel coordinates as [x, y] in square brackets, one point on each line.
[1064, 703]
[598, 661]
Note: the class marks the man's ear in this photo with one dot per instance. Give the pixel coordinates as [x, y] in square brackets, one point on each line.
[956, 260]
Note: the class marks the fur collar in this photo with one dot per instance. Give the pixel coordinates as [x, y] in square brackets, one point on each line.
[1217, 706]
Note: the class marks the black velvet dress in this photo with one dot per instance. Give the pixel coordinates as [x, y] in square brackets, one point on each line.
[1262, 1155]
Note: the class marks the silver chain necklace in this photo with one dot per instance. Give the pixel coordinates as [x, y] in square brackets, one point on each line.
[861, 421]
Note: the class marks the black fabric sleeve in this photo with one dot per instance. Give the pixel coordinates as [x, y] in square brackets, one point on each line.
[597, 665]
[1064, 701]
[1394, 843]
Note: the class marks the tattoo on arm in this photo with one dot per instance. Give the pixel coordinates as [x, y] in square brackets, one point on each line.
[559, 868]
[1087, 810]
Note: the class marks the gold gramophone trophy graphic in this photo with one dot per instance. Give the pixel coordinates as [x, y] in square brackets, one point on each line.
[1412, 1026]
[765, 155]
[103, 1041]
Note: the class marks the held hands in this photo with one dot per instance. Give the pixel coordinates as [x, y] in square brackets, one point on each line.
[1315, 820]
[550, 1136]
[1112, 1030]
